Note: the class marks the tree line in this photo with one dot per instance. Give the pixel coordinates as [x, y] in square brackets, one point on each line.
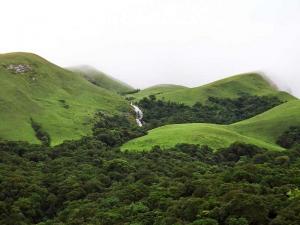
[215, 110]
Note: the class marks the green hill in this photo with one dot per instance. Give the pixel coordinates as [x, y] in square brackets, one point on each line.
[261, 130]
[157, 90]
[270, 124]
[101, 79]
[232, 87]
[61, 101]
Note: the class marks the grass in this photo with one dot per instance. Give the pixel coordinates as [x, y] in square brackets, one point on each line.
[101, 79]
[232, 87]
[261, 130]
[157, 90]
[269, 125]
[61, 101]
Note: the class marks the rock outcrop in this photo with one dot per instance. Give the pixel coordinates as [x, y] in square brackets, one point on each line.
[19, 68]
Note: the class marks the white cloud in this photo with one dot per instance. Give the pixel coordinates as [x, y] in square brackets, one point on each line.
[145, 42]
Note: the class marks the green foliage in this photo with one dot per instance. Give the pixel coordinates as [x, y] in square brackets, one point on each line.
[216, 110]
[88, 182]
[290, 137]
[205, 222]
[115, 130]
[42, 135]
[237, 221]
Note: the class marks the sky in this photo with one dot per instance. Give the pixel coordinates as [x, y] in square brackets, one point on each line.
[148, 42]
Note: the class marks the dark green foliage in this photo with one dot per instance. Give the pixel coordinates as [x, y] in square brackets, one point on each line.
[216, 110]
[289, 138]
[236, 151]
[130, 92]
[41, 134]
[115, 130]
[64, 103]
[88, 182]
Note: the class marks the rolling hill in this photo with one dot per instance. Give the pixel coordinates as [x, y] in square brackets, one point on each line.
[261, 130]
[61, 101]
[101, 79]
[231, 87]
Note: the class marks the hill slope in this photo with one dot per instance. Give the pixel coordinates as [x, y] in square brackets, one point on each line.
[261, 130]
[232, 87]
[157, 90]
[270, 124]
[101, 79]
[61, 101]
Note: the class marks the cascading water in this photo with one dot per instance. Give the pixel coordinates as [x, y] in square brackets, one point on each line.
[139, 114]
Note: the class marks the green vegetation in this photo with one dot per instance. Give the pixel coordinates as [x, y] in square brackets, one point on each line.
[88, 182]
[156, 90]
[40, 133]
[269, 125]
[115, 130]
[215, 136]
[290, 137]
[232, 87]
[261, 130]
[102, 80]
[62, 102]
[215, 110]
[117, 173]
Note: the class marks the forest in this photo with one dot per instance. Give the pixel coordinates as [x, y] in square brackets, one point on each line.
[90, 181]
[215, 110]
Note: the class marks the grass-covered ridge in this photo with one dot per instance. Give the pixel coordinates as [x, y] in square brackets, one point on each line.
[101, 79]
[231, 87]
[261, 130]
[61, 101]
[157, 90]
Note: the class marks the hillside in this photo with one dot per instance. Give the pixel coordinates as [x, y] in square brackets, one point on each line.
[261, 130]
[232, 87]
[101, 79]
[269, 125]
[61, 101]
[157, 90]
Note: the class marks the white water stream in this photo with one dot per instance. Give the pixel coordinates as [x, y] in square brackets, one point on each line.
[139, 114]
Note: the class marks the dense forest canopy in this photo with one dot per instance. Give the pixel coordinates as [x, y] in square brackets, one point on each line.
[91, 181]
[88, 182]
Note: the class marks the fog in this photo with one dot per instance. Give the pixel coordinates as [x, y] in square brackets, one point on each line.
[147, 42]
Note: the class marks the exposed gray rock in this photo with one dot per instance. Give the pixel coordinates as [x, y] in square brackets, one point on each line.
[19, 68]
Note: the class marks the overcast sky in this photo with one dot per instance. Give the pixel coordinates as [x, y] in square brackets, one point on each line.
[147, 42]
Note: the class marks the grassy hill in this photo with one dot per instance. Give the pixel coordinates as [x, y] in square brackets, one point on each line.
[61, 101]
[261, 130]
[101, 79]
[157, 90]
[270, 124]
[232, 87]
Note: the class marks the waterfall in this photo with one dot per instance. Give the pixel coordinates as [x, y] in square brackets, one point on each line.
[139, 115]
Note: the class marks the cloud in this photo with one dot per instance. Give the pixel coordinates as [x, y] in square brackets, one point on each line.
[146, 42]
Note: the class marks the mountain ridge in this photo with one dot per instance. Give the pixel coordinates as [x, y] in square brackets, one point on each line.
[230, 87]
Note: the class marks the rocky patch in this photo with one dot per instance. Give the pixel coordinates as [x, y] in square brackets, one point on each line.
[19, 68]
